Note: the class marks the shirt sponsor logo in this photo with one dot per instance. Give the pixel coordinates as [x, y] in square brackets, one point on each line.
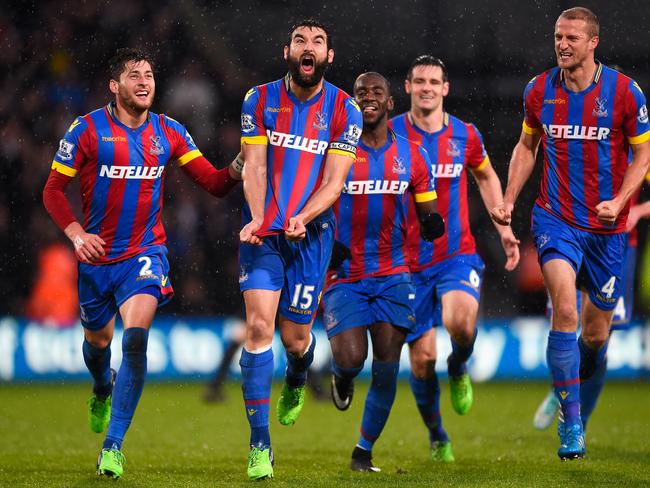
[131, 172]
[576, 132]
[554, 101]
[373, 187]
[446, 170]
[299, 143]
[643, 114]
[281, 110]
[65, 150]
[600, 111]
[247, 124]
[114, 139]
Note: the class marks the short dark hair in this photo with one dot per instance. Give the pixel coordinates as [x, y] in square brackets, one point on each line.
[122, 56]
[428, 60]
[312, 23]
[377, 75]
[583, 13]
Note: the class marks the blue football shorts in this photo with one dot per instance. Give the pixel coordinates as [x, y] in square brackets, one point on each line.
[597, 259]
[362, 303]
[463, 272]
[296, 268]
[103, 288]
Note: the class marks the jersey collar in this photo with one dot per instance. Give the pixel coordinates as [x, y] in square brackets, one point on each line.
[294, 99]
[597, 75]
[445, 124]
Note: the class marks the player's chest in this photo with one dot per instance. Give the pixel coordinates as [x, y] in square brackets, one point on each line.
[447, 156]
[125, 148]
[379, 173]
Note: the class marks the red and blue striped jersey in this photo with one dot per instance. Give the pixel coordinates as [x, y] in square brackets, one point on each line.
[372, 211]
[298, 135]
[452, 149]
[121, 173]
[586, 138]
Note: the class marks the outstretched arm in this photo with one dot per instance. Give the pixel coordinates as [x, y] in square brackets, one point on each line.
[521, 166]
[88, 247]
[490, 188]
[217, 182]
[337, 167]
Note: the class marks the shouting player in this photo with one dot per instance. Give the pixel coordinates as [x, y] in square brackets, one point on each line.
[299, 137]
[447, 273]
[587, 116]
[373, 291]
[121, 153]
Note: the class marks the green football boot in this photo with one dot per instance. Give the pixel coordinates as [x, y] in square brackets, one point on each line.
[290, 404]
[462, 395]
[111, 463]
[99, 410]
[441, 452]
[260, 463]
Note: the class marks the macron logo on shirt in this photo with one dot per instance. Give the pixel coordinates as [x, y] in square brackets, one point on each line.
[576, 132]
[290, 141]
[132, 172]
[370, 187]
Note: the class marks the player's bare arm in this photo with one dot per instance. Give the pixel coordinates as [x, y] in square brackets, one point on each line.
[255, 182]
[490, 188]
[637, 212]
[608, 210]
[520, 169]
[337, 167]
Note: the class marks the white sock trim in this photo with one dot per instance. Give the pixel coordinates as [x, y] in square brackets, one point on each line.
[260, 350]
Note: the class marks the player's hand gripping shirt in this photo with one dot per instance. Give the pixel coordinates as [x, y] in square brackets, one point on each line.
[456, 146]
[121, 172]
[586, 137]
[298, 135]
[372, 211]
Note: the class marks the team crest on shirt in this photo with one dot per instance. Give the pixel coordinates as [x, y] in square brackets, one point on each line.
[156, 147]
[398, 166]
[65, 150]
[247, 123]
[321, 121]
[453, 150]
[352, 134]
[643, 114]
[600, 111]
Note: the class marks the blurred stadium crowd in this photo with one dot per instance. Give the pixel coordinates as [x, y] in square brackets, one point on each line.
[208, 54]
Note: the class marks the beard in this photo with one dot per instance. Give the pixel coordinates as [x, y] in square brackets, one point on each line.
[133, 103]
[306, 81]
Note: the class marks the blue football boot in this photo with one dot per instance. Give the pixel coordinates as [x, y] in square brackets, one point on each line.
[572, 442]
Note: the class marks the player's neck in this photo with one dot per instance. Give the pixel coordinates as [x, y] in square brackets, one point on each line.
[305, 93]
[581, 77]
[428, 121]
[375, 137]
[129, 117]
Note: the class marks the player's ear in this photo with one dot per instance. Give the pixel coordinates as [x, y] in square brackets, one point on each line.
[330, 56]
[593, 42]
[445, 88]
[286, 52]
[390, 105]
[113, 87]
[407, 86]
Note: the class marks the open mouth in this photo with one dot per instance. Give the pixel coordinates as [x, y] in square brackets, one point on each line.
[369, 109]
[307, 63]
[565, 56]
[142, 95]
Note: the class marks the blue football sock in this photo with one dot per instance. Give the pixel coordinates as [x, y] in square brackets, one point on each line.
[378, 402]
[459, 356]
[563, 358]
[98, 362]
[593, 366]
[427, 398]
[128, 385]
[257, 377]
[345, 373]
[296, 372]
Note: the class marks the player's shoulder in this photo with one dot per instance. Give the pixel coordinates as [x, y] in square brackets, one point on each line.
[551, 75]
[340, 97]
[398, 119]
[414, 147]
[255, 92]
[81, 123]
[166, 121]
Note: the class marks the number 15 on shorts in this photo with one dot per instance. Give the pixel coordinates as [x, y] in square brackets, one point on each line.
[303, 296]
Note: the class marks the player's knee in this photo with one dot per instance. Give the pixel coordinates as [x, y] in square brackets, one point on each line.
[350, 359]
[259, 331]
[99, 340]
[134, 340]
[594, 339]
[423, 364]
[565, 316]
[461, 327]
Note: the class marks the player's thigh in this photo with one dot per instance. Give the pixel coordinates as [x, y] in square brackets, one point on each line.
[560, 280]
[139, 310]
[458, 290]
[350, 347]
[595, 323]
[101, 338]
[305, 267]
[387, 341]
[459, 311]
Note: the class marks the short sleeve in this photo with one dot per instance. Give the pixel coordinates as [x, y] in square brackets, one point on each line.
[635, 118]
[252, 120]
[70, 156]
[422, 182]
[531, 123]
[183, 148]
[347, 129]
[477, 157]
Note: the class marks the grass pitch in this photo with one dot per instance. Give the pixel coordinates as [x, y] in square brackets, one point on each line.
[177, 440]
